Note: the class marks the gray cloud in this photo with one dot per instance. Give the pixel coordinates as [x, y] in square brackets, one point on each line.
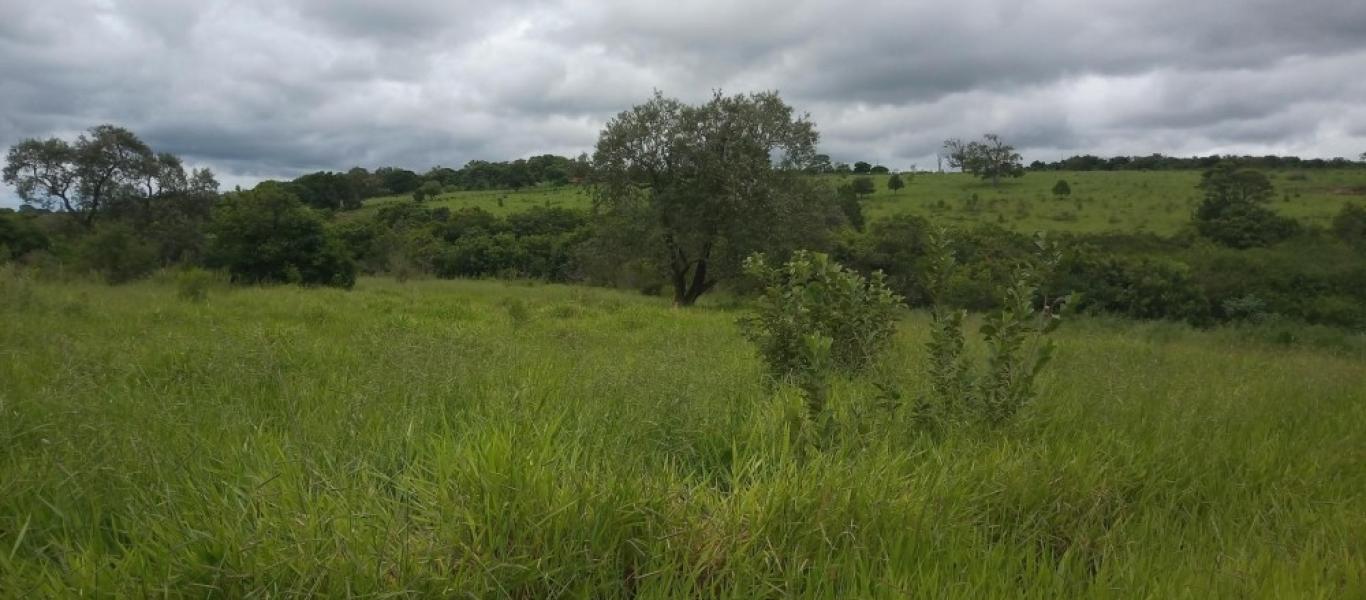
[261, 88]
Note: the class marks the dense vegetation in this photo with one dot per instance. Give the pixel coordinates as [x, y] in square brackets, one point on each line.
[196, 430]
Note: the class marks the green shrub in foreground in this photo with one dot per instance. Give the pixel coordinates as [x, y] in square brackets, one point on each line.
[816, 317]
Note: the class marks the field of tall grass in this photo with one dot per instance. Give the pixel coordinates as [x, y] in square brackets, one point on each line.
[495, 439]
[1158, 202]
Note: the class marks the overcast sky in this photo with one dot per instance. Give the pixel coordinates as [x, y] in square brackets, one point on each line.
[275, 88]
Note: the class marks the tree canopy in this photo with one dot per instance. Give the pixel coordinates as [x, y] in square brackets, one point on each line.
[706, 185]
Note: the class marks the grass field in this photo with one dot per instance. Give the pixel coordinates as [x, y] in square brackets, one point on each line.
[1154, 201]
[484, 439]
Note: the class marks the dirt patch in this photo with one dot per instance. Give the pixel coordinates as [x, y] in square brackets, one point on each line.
[1358, 190]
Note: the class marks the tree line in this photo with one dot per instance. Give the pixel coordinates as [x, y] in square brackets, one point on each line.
[1159, 162]
[682, 194]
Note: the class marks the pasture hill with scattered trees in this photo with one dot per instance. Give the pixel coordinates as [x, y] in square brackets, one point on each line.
[364, 436]
[678, 214]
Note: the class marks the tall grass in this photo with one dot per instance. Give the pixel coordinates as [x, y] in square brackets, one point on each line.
[419, 440]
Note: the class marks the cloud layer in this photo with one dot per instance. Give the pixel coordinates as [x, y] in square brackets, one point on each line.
[262, 88]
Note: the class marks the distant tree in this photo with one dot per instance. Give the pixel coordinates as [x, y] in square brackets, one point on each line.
[879, 170]
[706, 185]
[427, 191]
[956, 154]
[1061, 188]
[398, 181]
[863, 186]
[268, 235]
[363, 183]
[993, 159]
[820, 163]
[328, 191]
[842, 169]
[581, 168]
[862, 168]
[894, 183]
[1234, 211]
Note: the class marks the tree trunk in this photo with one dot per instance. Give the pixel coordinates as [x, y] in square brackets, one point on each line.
[687, 292]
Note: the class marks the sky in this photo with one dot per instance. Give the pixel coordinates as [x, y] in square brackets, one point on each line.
[260, 89]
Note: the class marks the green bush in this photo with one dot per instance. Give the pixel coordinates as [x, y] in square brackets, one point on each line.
[1233, 212]
[1350, 225]
[268, 235]
[19, 236]
[815, 318]
[1015, 336]
[192, 284]
[116, 253]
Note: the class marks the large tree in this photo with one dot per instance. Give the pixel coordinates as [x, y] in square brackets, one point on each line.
[84, 178]
[1234, 211]
[703, 186]
[991, 158]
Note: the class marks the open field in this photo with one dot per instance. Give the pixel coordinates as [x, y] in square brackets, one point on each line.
[1160, 202]
[485, 439]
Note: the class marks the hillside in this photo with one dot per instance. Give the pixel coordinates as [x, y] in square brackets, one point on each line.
[1159, 202]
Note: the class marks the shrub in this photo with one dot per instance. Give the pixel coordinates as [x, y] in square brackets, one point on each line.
[1015, 336]
[815, 318]
[1061, 188]
[19, 236]
[116, 254]
[1350, 225]
[192, 284]
[1233, 212]
[267, 235]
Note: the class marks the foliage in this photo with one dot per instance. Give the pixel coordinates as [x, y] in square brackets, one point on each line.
[268, 235]
[1015, 335]
[429, 189]
[116, 253]
[698, 188]
[862, 185]
[107, 169]
[1233, 212]
[19, 235]
[851, 206]
[815, 318]
[991, 158]
[1138, 287]
[192, 284]
[894, 183]
[1062, 189]
[1350, 225]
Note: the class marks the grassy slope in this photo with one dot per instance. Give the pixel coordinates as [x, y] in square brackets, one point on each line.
[1158, 201]
[421, 437]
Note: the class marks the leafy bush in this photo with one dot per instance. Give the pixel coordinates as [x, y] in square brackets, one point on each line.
[815, 318]
[19, 236]
[1061, 188]
[1016, 340]
[192, 284]
[1349, 225]
[116, 253]
[267, 235]
[1137, 287]
[1233, 212]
